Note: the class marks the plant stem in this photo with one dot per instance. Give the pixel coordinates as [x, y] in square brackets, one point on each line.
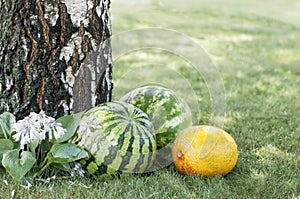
[44, 162]
[44, 167]
[2, 128]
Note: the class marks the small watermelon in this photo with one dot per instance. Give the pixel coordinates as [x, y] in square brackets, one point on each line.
[167, 112]
[119, 137]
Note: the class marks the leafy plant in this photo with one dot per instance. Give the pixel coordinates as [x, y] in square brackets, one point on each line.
[30, 146]
[6, 121]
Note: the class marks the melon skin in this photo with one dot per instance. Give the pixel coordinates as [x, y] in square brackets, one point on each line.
[119, 137]
[168, 113]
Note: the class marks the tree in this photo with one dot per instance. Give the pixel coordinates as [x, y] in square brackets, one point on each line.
[55, 55]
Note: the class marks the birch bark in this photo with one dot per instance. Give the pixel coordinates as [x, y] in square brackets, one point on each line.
[55, 55]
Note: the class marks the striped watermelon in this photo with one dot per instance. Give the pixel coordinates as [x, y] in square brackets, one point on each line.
[119, 137]
[167, 112]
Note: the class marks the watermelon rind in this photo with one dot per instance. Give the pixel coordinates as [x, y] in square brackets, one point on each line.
[119, 137]
[168, 113]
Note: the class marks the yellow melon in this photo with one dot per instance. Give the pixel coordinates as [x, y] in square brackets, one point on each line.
[204, 151]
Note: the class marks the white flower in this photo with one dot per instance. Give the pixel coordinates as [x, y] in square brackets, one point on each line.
[35, 127]
[56, 131]
[26, 131]
[87, 126]
[77, 170]
[24, 140]
[46, 121]
[28, 186]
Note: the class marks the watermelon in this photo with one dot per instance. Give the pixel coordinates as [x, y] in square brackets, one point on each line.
[168, 113]
[119, 137]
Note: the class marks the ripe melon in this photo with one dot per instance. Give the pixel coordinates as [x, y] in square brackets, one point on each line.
[204, 151]
[119, 137]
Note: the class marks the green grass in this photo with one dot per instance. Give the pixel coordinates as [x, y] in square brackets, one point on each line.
[255, 46]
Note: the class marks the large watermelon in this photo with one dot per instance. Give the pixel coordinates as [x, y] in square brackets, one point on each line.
[119, 137]
[167, 112]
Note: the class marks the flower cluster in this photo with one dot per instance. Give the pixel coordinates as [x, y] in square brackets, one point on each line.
[35, 128]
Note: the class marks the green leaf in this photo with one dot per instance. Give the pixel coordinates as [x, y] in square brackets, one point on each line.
[6, 120]
[62, 166]
[33, 145]
[67, 152]
[18, 167]
[70, 123]
[5, 145]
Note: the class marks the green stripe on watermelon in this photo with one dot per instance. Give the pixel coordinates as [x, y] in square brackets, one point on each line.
[119, 136]
[168, 113]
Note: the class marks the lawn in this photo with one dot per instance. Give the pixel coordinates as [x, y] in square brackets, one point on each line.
[255, 48]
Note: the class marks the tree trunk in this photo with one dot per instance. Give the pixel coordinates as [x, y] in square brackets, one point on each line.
[55, 55]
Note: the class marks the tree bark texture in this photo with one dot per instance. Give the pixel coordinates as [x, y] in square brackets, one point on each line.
[55, 55]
